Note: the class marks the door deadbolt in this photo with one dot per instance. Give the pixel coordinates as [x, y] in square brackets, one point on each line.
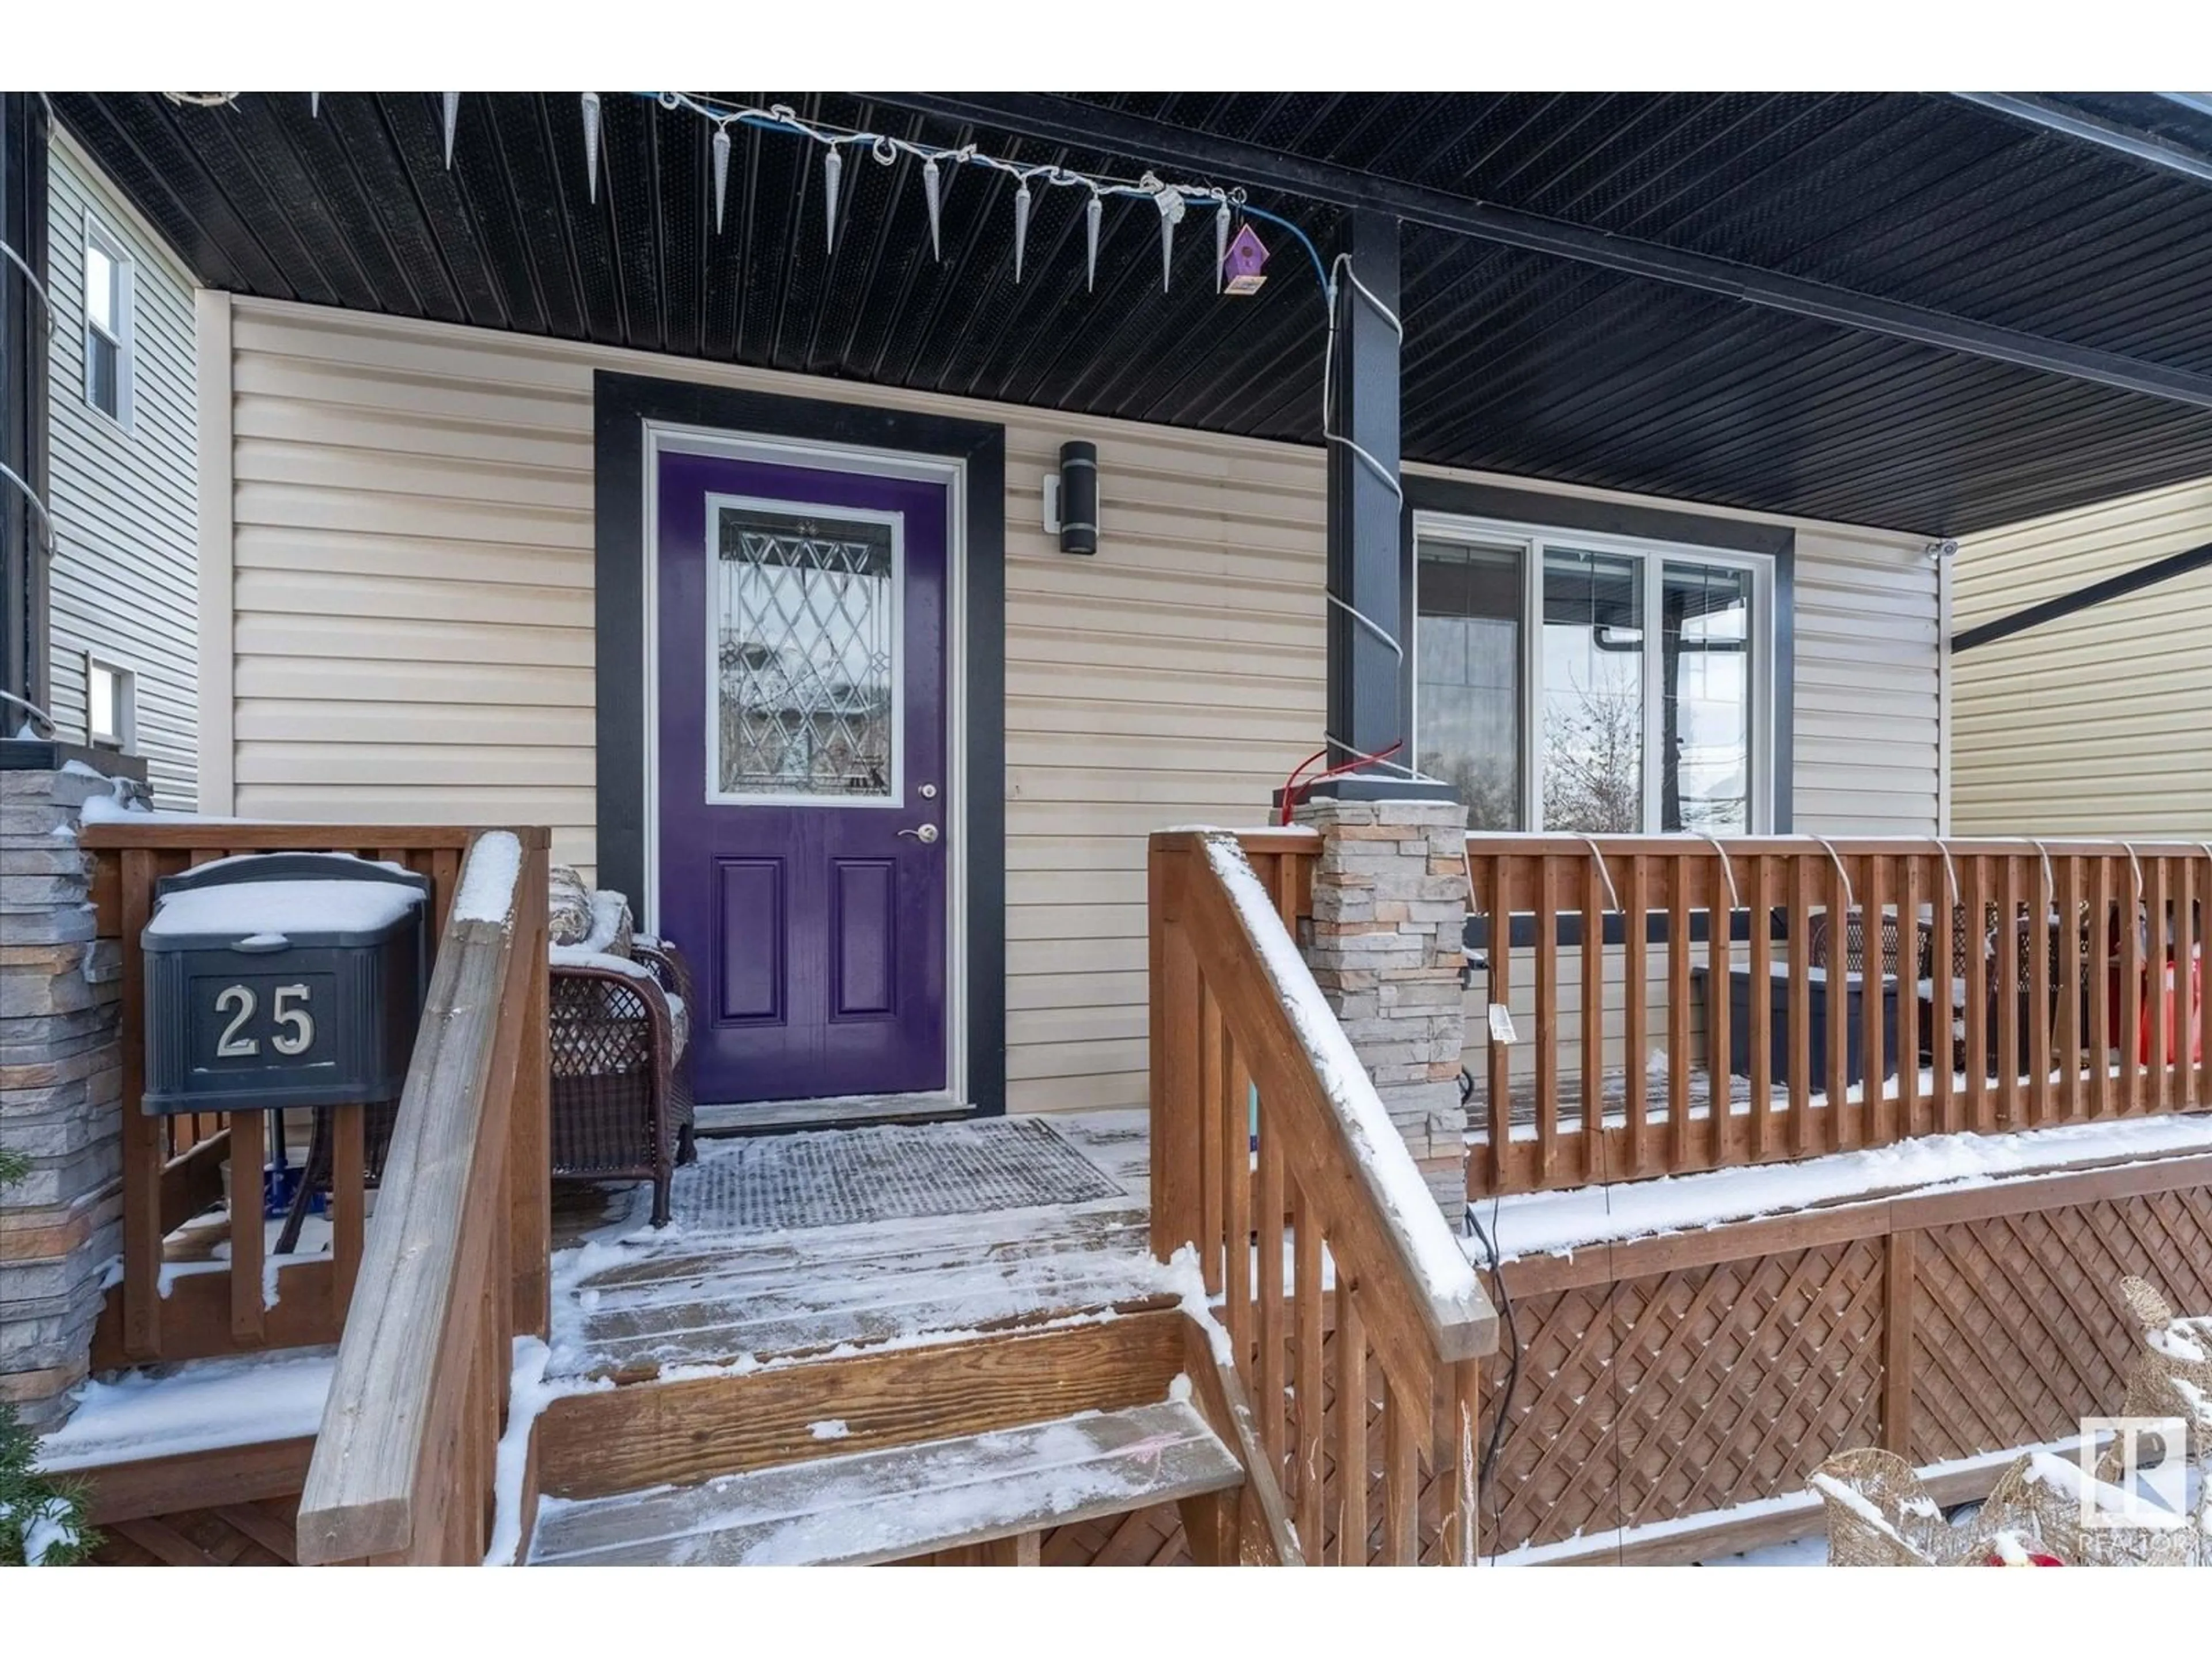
[927, 792]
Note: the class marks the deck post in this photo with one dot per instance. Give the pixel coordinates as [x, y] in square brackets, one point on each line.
[1389, 915]
[61, 1077]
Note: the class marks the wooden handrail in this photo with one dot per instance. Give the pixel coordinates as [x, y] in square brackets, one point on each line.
[1270, 1146]
[404, 1462]
[1986, 985]
[1309, 1073]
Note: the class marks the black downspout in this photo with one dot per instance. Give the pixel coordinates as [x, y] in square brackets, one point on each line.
[23, 671]
[1674, 615]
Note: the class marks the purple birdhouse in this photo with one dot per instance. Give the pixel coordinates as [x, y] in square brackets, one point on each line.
[1244, 265]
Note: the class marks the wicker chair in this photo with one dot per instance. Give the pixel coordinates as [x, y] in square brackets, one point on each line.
[2055, 936]
[622, 1107]
[1820, 944]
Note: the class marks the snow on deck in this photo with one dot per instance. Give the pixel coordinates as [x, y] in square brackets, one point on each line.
[197, 1407]
[894, 1503]
[1552, 1223]
[702, 1295]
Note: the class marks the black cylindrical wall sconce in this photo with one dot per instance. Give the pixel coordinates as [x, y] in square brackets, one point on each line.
[1078, 497]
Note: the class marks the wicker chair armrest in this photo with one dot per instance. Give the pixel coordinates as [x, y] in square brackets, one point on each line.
[667, 965]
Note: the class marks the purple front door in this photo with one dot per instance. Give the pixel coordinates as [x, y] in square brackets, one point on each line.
[802, 799]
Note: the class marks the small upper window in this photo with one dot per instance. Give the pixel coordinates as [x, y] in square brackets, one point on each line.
[110, 705]
[107, 324]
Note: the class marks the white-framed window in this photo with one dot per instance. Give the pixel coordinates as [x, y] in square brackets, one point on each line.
[108, 332]
[110, 706]
[1596, 684]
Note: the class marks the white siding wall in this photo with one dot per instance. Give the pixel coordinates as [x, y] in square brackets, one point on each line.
[125, 575]
[2099, 723]
[1869, 669]
[412, 543]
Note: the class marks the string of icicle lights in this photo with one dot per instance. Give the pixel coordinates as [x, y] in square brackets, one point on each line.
[1173, 198]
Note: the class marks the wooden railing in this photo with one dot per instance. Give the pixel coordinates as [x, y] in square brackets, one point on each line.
[407, 1457]
[177, 1298]
[1985, 986]
[1354, 1323]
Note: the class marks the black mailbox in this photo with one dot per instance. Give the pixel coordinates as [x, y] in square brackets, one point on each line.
[284, 979]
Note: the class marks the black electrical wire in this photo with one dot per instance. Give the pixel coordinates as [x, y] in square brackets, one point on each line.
[1499, 1422]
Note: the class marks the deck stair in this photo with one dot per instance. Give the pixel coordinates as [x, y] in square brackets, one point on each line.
[949, 1386]
[1002, 1488]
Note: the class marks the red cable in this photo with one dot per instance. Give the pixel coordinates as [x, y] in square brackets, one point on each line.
[1295, 786]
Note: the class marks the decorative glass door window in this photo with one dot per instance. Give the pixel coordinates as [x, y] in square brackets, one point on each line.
[1546, 695]
[803, 635]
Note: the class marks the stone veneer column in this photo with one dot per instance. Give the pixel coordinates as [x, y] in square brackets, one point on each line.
[1389, 910]
[60, 1093]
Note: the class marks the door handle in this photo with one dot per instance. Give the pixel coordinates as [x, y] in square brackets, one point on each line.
[925, 835]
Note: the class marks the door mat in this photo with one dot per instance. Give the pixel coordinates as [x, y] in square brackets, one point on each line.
[892, 1172]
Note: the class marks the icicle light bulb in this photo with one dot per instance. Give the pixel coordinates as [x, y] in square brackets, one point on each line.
[722, 172]
[1021, 225]
[453, 120]
[592, 144]
[833, 174]
[1172, 209]
[315, 105]
[1093, 212]
[1220, 244]
[933, 192]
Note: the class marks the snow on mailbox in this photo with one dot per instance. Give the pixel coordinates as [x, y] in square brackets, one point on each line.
[284, 979]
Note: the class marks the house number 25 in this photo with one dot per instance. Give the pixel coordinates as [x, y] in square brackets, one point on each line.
[288, 1008]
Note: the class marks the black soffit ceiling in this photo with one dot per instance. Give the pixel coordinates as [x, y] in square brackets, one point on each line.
[1516, 362]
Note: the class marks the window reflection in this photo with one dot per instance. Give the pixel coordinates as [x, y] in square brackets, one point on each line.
[1467, 668]
[1592, 697]
[1704, 745]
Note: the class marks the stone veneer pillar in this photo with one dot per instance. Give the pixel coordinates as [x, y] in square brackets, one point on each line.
[1389, 910]
[60, 1092]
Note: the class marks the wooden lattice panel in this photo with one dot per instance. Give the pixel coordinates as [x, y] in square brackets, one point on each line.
[2018, 1329]
[1677, 1393]
[226, 1536]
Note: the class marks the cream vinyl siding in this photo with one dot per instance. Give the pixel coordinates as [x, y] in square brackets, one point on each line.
[2099, 723]
[412, 552]
[125, 575]
[411, 594]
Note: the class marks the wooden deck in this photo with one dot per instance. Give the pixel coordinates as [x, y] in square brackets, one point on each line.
[631, 1302]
